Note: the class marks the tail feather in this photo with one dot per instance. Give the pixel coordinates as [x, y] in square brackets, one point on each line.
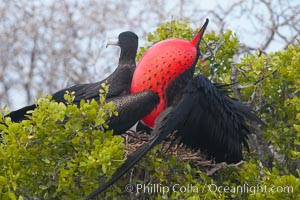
[19, 115]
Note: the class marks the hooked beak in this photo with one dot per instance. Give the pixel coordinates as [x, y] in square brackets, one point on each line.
[196, 40]
[112, 42]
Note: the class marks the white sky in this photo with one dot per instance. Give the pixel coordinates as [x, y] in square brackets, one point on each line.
[241, 26]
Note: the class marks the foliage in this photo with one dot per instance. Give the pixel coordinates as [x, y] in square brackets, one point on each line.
[60, 152]
[278, 95]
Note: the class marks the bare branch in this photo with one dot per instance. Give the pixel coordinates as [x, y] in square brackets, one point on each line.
[222, 165]
[233, 79]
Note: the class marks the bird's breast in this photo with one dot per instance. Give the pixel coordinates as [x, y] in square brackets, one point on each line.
[160, 65]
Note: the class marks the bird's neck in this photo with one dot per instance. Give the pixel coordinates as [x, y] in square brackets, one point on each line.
[127, 57]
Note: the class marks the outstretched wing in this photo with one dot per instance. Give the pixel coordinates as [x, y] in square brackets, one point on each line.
[204, 118]
[215, 122]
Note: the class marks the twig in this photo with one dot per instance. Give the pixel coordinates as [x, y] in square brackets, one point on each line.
[233, 79]
[251, 84]
[221, 165]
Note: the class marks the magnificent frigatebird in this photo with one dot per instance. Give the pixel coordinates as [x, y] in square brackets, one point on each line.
[200, 114]
[119, 89]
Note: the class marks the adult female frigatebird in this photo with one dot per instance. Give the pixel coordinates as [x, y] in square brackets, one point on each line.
[199, 113]
[119, 89]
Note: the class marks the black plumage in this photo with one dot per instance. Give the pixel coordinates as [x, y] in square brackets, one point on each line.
[204, 118]
[200, 115]
[119, 89]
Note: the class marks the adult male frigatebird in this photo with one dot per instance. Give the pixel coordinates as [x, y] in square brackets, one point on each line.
[119, 89]
[199, 114]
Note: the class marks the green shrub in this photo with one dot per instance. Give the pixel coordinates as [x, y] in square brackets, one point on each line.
[60, 152]
[63, 151]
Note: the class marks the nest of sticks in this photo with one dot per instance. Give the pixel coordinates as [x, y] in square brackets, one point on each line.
[133, 140]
